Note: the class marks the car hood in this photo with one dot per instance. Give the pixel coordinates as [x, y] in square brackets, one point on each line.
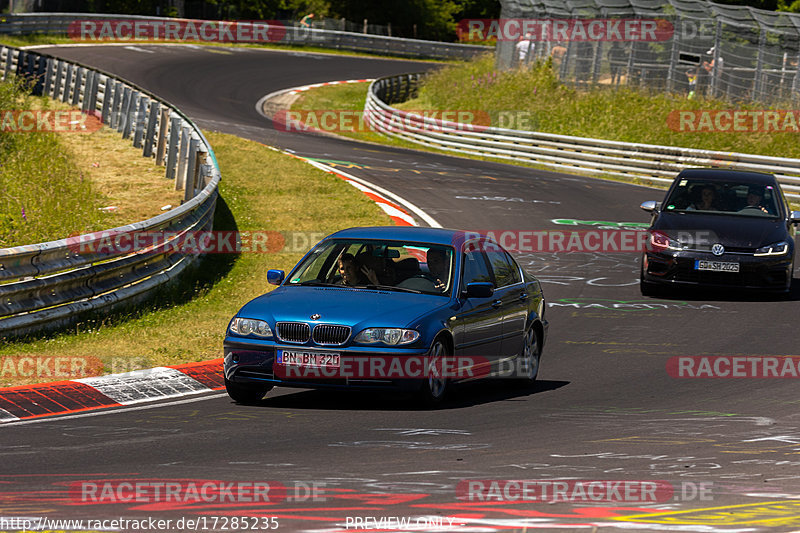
[729, 230]
[342, 305]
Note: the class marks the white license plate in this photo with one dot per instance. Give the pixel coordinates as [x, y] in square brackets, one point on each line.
[716, 266]
[318, 359]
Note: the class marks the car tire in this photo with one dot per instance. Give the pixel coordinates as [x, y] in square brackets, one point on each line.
[531, 357]
[434, 387]
[246, 394]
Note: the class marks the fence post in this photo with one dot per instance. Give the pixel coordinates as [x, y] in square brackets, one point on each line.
[150, 133]
[796, 80]
[672, 73]
[758, 83]
[715, 72]
[161, 144]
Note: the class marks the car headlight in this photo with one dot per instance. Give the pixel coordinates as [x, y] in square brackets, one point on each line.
[391, 336]
[659, 242]
[250, 326]
[779, 248]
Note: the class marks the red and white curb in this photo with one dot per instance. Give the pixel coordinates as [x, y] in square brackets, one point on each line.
[115, 390]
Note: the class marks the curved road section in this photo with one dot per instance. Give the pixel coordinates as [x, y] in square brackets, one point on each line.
[611, 438]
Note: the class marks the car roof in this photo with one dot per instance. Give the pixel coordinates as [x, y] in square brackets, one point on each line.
[720, 174]
[402, 233]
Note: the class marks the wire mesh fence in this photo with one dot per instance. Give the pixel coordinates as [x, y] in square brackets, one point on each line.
[733, 52]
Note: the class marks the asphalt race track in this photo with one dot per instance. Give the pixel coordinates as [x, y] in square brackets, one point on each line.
[605, 407]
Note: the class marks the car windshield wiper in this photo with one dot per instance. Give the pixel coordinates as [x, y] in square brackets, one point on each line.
[316, 283]
[392, 288]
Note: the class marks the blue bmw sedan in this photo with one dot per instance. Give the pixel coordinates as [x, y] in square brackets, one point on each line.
[395, 308]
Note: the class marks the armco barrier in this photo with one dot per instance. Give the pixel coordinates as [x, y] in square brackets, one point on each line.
[59, 24]
[43, 286]
[562, 152]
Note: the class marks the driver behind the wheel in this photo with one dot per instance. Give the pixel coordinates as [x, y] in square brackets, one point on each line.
[439, 267]
[755, 195]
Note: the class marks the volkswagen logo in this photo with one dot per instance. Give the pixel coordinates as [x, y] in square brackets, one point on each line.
[315, 316]
[718, 249]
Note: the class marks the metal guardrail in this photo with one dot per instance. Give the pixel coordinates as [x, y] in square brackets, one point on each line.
[561, 152]
[46, 285]
[59, 24]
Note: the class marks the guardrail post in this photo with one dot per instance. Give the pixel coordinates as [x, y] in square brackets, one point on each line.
[130, 114]
[116, 105]
[41, 66]
[161, 143]
[107, 99]
[199, 172]
[150, 133]
[79, 79]
[67, 83]
[191, 169]
[48, 76]
[180, 180]
[141, 113]
[59, 72]
[172, 147]
[90, 93]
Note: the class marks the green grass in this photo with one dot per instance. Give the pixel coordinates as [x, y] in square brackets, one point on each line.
[44, 194]
[261, 190]
[617, 113]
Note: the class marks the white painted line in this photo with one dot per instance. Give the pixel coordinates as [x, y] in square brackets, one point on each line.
[111, 410]
[145, 385]
[398, 199]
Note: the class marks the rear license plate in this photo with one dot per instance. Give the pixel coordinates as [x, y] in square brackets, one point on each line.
[318, 359]
[716, 266]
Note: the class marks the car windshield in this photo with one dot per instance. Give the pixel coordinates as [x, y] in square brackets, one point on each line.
[724, 197]
[389, 265]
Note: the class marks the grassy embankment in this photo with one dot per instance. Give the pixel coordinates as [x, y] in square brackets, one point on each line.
[261, 190]
[621, 113]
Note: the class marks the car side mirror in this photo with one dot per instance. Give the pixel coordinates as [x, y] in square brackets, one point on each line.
[794, 217]
[649, 206]
[275, 277]
[479, 289]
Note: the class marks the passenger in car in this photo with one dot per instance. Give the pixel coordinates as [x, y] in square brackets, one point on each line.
[354, 273]
[706, 200]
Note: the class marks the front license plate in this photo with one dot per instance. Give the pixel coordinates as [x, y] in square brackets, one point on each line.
[716, 266]
[324, 359]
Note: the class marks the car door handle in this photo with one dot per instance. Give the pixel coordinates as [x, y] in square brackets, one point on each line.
[497, 303]
[523, 296]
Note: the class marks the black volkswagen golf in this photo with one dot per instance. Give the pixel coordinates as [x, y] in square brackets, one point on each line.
[720, 228]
